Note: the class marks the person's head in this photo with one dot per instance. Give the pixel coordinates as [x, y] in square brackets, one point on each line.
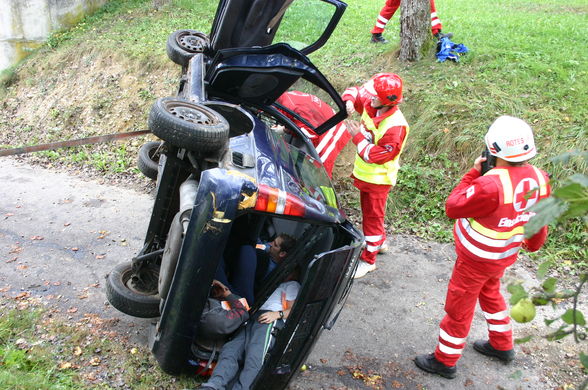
[511, 139]
[281, 246]
[386, 89]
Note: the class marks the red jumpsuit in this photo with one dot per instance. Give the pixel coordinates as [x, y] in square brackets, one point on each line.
[489, 232]
[373, 196]
[390, 8]
[316, 112]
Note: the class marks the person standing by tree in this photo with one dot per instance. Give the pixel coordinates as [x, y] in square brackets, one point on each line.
[388, 11]
[380, 140]
[490, 212]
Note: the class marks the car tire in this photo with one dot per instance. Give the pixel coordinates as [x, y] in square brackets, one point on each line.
[148, 159]
[126, 299]
[188, 125]
[183, 44]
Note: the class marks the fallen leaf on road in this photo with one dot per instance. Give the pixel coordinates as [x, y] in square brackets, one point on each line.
[75, 249]
[9, 215]
[100, 257]
[5, 289]
[67, 224]
[16, 249]
[324, 361]
[39, 238]
[22, 266]
[95, 361]
[83, 296]
[72, 310]
[77, 351]
[11, 260]
[95, 285]
[57, 283]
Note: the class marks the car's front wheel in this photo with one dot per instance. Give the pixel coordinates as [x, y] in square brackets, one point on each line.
[188, 125]
[127, 295]
[183, 44]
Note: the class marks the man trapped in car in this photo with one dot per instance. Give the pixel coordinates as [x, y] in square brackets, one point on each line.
[242, 357]
[379, 140]
[252, 264]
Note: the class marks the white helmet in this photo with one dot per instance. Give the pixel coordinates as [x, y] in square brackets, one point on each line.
[511, 139]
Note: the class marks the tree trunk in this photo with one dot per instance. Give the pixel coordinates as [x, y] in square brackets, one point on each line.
[414, 28]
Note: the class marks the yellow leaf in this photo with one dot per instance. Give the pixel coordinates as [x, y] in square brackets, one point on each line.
[64, 365]
[95, 361]
[77, 351]
[133, 351]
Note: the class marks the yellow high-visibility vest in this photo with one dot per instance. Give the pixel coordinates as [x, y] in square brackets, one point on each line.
[380, 173]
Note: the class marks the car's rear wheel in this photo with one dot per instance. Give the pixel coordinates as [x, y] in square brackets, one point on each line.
[188, 125]
[126, 294]
[148, 159]
[183, 44]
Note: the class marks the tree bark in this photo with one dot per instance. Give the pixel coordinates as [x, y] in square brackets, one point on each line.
[414, 28]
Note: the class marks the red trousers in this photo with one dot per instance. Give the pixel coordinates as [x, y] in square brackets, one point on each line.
[373, 210]
[470, 282]
[390, 8]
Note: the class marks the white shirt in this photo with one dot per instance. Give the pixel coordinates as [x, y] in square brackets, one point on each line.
[274, 302]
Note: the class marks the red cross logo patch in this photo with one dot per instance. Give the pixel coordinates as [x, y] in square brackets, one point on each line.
[526, 194]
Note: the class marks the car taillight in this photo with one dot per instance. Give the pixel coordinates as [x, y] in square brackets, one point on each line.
[274, 200]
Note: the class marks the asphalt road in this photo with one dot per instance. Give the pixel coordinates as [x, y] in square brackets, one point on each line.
[60, 235]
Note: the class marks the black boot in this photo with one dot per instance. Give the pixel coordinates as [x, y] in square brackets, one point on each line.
[440, 35]
[430, 364]
[485, 348]
[378, 38]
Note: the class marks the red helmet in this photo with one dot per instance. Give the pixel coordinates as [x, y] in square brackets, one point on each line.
[387, 87]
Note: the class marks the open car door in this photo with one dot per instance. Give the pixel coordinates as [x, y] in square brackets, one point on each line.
[248, 23]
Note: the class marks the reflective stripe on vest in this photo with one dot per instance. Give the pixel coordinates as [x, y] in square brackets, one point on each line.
[495, 240]
[380, 173]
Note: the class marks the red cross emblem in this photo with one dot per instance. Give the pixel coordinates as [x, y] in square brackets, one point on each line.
[526, 194]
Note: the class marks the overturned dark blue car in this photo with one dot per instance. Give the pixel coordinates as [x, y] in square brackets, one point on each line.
[234, 164]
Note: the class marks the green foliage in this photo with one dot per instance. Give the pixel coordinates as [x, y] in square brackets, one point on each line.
[417, 201]
[517, 292]
[27, 367]
[42, 350]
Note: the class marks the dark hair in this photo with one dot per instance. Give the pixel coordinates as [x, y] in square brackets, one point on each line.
[288, 242]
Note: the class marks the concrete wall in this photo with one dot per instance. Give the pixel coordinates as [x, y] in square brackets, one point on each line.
[26, 24]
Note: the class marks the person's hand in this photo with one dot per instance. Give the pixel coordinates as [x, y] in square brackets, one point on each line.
[349, 107]
[353, 127]
[268, 317]
[478, 163]
[219, 290]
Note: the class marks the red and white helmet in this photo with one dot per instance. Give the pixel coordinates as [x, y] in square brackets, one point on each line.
[511, 139]
[387, 87]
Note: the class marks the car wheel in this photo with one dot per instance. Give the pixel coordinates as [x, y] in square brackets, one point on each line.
[148, 159]
[188, 125]
[170, 256]
[183, 44]
[125, 295]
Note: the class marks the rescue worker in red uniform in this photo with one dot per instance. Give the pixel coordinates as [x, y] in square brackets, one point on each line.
[388, 11]
[491, 211]
[316, 112]
[380, 140]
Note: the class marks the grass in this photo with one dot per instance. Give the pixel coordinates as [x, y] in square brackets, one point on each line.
[41, 349]
[526, 60]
